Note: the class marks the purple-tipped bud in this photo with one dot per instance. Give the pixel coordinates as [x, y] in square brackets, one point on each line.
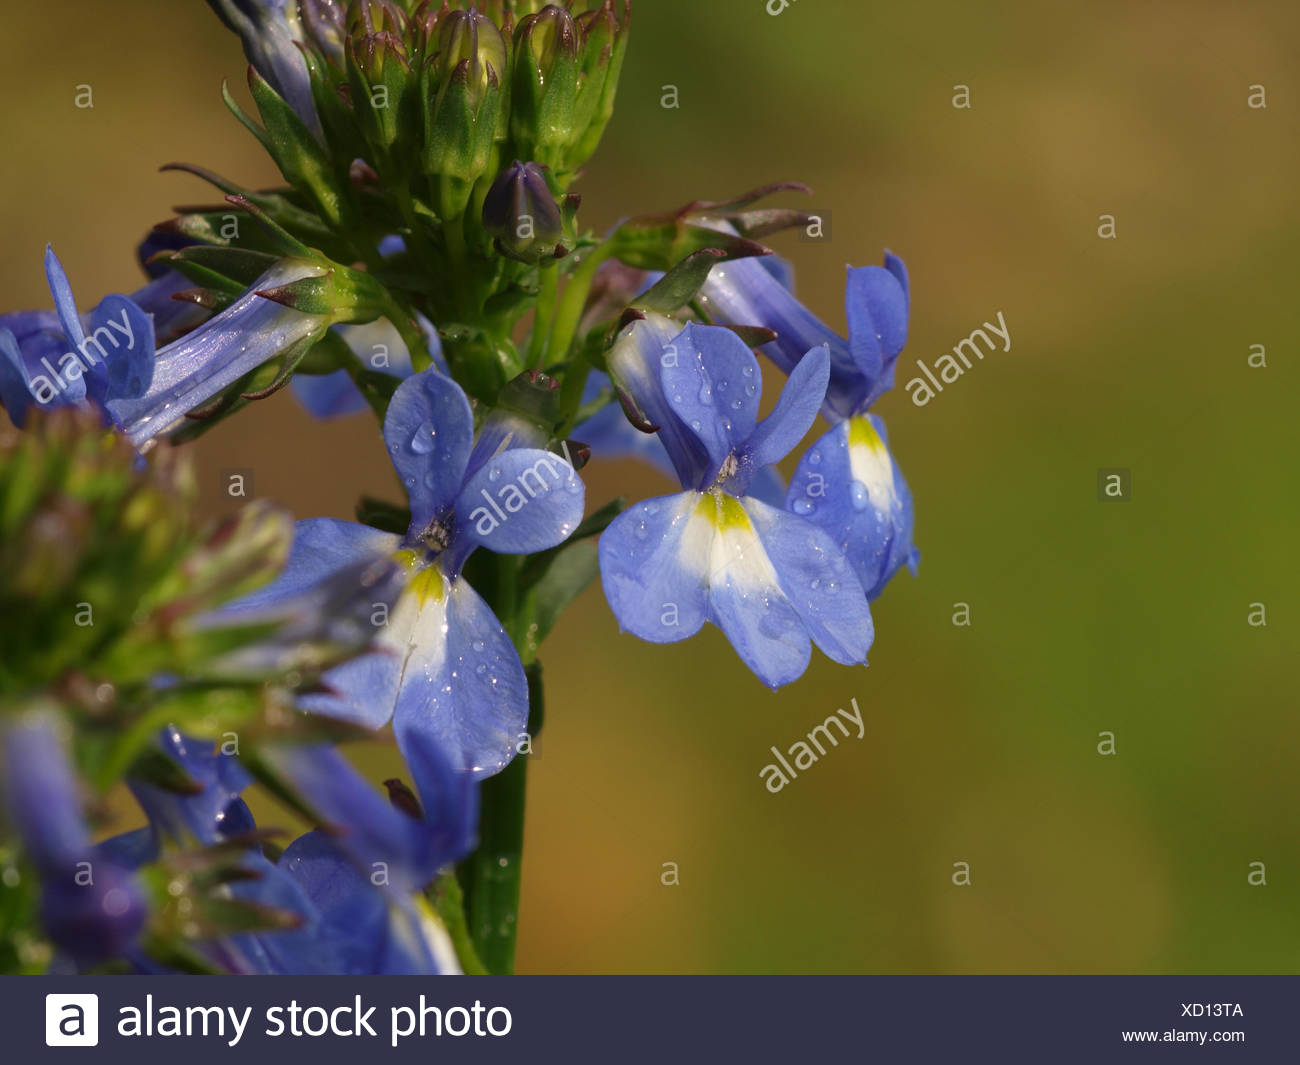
[522, 216]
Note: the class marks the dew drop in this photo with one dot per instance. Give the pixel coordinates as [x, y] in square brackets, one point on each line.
[859, 495]
[804, 506]
[480, 646]
[494, 474]
[422, 441]
[815, 458]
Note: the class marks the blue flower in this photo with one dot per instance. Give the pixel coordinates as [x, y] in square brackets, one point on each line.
[380, 348]
[354, 884]
[610, 436]
[847, 483]
[270, 31]
[192, 370]
[58, 358]
[773, 582]
[748, 292]
[91, 905]
[366, 870]
[443, 665]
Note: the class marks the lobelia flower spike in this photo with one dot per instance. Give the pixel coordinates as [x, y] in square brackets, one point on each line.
[443, 666]
[773, 582]
[59, 359]
[847, 483]
[91, 905]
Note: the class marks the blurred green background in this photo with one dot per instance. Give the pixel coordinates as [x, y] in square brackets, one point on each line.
[981, 742]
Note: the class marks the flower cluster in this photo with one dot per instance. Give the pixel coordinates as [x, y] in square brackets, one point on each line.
[423, 259]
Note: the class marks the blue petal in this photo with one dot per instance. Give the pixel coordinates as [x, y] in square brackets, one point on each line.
[654, 562]
[849, 485]
[635, 366]
[64, 304]
[172, 318]
[130, 362]
[768, 485]
[767, 579]
[372, 935]
[362, 690]
[15, 389]
[308, 950]
[898, 268]
[90, 921]
[780, 268]
[712, 382]
[195, 368]
[463, 686]
[817, 581]
[41, 792]
[321, 547]
[429, 430]
[369, 829]
[876, 306]
[269, 30]
[744, 292]
[521, 501]
[780, 432]
[328, 395]
[379, 348]
[202, 817]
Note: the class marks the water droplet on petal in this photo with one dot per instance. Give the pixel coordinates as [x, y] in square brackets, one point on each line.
[494, 474]
[815, 458]
[480, 646]
[804, 506]
[422, 441]
[859, 495]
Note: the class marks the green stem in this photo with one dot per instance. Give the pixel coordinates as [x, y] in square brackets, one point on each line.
[491, 876]
[573, 301]
[449, 903]
[547, 292]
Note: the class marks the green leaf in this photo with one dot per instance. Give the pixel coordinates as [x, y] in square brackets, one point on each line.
[680, 285]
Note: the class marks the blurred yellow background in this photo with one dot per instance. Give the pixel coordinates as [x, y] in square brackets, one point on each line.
[981, 742]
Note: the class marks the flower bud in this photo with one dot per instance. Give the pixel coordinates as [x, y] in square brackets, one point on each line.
[470, 35]
[604, 43]
[463, 106]
[545, 85]
[521, 215]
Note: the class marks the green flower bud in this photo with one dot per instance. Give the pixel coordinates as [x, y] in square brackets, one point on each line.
[379, 75]
[604, 44]
[463, 107]
[545, 86]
